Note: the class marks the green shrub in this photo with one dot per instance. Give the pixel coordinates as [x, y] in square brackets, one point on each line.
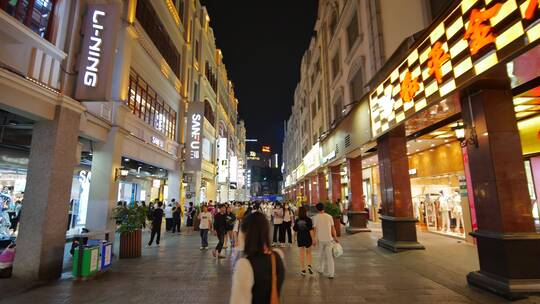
[129, 218]
[332, 209]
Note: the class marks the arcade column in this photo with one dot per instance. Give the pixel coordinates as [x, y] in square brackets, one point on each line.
[358, 217]
[335, 180]
[507, 242]
[307, 192]
[42, 234]
[321, 183]
[398, 222]
[314, 190]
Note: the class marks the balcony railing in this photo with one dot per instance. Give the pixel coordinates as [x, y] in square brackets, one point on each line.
[35, 14]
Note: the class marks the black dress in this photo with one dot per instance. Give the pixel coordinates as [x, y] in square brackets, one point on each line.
[190, 215]
[303, 228]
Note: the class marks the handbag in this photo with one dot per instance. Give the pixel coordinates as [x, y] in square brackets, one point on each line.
[274, 294]
[337, 250]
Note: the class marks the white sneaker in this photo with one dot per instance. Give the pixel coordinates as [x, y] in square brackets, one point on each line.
[202, 248]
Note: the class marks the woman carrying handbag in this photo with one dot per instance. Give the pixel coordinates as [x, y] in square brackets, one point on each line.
[259, 275]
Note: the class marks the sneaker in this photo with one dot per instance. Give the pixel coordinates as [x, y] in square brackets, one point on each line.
[221, 256]
[310, 270]
[303, 273]
[202, 248]
[330, 277]
[319, 271]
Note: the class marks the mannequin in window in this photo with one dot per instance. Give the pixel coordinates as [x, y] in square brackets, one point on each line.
[458, 211]
[444, 205]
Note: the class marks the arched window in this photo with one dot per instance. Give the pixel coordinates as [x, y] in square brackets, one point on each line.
[208, 112]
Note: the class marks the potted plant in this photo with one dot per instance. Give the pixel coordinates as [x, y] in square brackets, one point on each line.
[130, 221]
[334, 211]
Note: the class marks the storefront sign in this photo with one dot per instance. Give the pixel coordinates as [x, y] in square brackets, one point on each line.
[412, 171]
[328, 157]
[194, 136]
[312, 159]
[233, 169]
[223, 162]
[102, 23]
[473, 38]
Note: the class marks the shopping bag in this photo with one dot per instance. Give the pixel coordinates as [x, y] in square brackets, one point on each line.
[7, 256]
[337, 250]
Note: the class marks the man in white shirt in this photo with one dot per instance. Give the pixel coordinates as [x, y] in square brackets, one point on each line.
[325, 233]
[168, 217]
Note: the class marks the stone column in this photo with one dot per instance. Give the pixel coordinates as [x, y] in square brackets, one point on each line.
[44, 216]
[323, 192]
[314, 190]
[507, 242]
[106, 160]
[358, 217]
[174, 184]
[398, 222]
[307, 192]
[335, 183]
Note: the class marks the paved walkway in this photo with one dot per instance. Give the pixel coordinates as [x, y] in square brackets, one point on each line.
[177, 272]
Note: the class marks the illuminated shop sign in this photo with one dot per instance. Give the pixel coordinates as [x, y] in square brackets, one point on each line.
[329, 156]
[102, 23]
[223, 162]
[233, 169]
[475, 36]
[266, 149]
[312, 159]
[194, 136]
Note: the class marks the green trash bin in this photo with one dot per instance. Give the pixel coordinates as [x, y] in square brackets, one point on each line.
[89, 264]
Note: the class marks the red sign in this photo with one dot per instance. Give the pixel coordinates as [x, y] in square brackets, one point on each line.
[479, 31]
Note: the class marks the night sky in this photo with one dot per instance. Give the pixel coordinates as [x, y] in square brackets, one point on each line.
[262, 44]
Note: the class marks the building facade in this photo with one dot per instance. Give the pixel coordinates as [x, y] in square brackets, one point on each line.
[439, 130]
[132, 110]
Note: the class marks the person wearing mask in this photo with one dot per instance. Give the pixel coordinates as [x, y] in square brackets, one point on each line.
[205, 222]
[176, 219]
[157, 218]
[168, 217]
[288, 219]
[277, 220]
[220, 229]
[190, 215]
[259, 275]
[325, 233]
[304, 237]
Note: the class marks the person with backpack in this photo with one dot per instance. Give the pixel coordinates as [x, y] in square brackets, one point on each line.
[258, 276]
[303, 226]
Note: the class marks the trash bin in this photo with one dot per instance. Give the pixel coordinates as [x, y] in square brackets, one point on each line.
[105, 250]
[89, 263]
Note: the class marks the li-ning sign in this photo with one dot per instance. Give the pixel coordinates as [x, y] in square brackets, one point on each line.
[473, 37]
[194, 137]
[100, 28]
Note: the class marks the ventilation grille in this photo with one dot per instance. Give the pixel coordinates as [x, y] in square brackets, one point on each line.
[347, 141]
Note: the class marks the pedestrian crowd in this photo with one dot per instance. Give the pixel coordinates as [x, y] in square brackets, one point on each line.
[255, 232]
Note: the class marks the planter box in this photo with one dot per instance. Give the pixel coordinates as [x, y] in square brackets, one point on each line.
[130, 244]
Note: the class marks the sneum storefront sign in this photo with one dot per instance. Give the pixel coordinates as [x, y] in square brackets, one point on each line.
[194, 136]
[100, 28]
[472, 38]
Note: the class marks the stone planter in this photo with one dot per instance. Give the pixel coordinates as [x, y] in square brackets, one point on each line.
[130, 244]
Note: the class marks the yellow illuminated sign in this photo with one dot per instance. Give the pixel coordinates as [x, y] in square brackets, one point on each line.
[474, 37]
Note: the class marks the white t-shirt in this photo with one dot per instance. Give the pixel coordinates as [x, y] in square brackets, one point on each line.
[278, 216]
[323, 223]
[205, 218]
[168, 212]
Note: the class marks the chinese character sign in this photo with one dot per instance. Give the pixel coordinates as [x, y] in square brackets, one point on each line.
[195, 121]
[437, 56]
[479, 33]
[409, 87]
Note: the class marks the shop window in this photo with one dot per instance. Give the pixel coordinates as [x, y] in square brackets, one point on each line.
[352, 31]
[196, 91]
[150, 22]
[35, 14]
[146, 104]
[207, 150]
